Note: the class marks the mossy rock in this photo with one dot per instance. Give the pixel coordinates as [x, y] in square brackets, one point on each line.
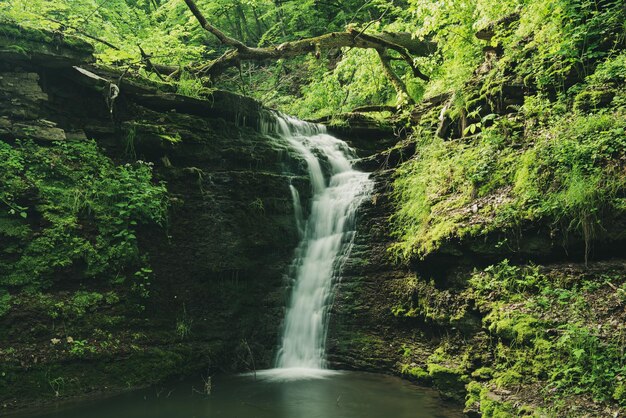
[50, 49]
[415, 372]
[482, 402]
[483, 373]
[449, 381]
[521, 328]
[588, 100]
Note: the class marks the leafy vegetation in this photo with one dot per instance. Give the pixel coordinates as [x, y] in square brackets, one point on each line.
[548, 335]
[557, 158]
[571, 351]
[533, 139]
[567, 173]
[552, 42]
[70, 212]
[520, 128]
[169, 35]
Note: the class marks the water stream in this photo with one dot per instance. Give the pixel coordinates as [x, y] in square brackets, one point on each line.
[327, 235]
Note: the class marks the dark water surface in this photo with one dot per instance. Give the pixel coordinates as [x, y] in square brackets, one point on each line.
[340, 395]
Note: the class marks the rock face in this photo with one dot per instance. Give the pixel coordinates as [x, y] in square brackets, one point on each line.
[360, 336]
[431, 321]
[216, 291]
[498, 317]
[217, 281]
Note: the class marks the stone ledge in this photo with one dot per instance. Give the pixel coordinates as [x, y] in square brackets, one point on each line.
[44, 48]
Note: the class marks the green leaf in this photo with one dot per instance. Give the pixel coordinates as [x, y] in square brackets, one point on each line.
[578, 353]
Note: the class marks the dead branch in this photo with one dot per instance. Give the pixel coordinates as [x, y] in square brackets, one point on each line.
[401, 43]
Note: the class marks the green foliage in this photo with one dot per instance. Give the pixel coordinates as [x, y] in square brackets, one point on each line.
[141, 282]
[80, 348]
[506, 281]
[565, 171]
[434, 187]
[452, 25]
[586, 363]
[551, 42]
[68, 209]
[567, 354]
[357, 80]
[567, 174]
[5, 302]
[80, 303]
[566, 38]
[170, 35]
[191, 86]
[164, 33]
[611, 70]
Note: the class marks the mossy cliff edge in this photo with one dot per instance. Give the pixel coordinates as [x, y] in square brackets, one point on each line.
[144, 234]
[502, 279]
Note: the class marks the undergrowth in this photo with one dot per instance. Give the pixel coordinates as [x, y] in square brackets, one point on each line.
[68, 211]
[559, 166]
[549, 330]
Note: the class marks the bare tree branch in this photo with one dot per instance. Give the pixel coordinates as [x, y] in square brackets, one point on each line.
[402, 43]
[398, 84]
[225, 39]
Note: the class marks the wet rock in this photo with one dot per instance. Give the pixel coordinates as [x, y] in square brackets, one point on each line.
[228, 242]
[40, 130]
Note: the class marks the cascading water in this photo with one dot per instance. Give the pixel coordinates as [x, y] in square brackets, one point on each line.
[327, 236]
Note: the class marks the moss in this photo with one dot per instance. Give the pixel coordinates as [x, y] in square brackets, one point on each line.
[489, 405]
[508, 378]
[483, 373]
[491, 408]
[42, 46]
[619, 394]
[23, 35]
[415, 372]
[560, 172]
[448, 380]
[17, 49]
[5, 302]
[14, 31]
[589, 100]
[521, 328]
[472, 398]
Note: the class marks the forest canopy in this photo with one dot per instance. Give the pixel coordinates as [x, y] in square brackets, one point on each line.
[337, 79]
[148, 35]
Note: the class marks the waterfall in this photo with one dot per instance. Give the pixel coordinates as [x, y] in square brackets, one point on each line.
[327, 237]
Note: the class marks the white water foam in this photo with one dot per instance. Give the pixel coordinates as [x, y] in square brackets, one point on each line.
[327, 237]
